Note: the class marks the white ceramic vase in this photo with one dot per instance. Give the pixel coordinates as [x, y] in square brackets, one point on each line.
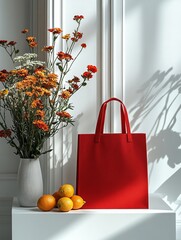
[30, 182]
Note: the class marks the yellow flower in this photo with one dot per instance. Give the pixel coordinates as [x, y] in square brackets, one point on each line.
[66, 36]
[4, 92]
[65, 94]
[30, 39]
[40, 74]
[40, 113]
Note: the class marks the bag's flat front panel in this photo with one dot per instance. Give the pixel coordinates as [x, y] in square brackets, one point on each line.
[113, 172]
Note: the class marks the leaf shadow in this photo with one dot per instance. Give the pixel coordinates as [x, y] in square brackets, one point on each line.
[160, 108]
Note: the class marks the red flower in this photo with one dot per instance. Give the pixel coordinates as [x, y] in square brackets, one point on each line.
[78, 17]
[78, 35]
[5, 133]
[87, 75]
[4, 71]
[75, 86]
[25, 30]
[75, 79]
[83, 45]
[74, 39]
[11, 43]
[92, 68]
[3, 42]
[67, 57]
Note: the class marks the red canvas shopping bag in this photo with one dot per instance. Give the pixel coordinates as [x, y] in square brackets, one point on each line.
[112, 167]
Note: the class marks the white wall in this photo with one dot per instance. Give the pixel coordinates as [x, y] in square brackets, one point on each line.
[152, 89]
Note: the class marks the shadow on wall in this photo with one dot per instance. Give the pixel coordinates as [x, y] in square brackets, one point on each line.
[65, 160]
[160, 106]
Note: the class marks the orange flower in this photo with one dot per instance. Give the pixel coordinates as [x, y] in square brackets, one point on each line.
[41, 125]
[50, 81]
[60, 55]
[52, 76]
[40, 74]
[55, 30]
[65, 94]
[31, 79]
[66, 56]
[29, 94]
[23, 84]
[3, 75]
[22, 72]
[33, 44]
[47, 48]
[64, 114]
[37, 103]
[40, 91]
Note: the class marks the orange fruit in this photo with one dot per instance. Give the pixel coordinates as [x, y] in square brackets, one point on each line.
[65, 204]
[57, 196]
[78, 201]
[46, 202]
[66, 190]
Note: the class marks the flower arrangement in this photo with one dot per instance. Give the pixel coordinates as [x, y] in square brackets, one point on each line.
[36, 98]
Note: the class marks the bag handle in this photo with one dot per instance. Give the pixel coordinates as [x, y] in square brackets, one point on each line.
[101, 124]
[124, 120]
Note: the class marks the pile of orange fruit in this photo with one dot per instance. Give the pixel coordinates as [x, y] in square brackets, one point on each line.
[64, 199]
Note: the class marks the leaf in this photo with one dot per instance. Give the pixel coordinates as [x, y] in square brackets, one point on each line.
[60, 67]
[54, 38]
[47, 151]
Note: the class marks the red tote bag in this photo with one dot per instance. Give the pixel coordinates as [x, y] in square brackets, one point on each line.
[112, 167]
